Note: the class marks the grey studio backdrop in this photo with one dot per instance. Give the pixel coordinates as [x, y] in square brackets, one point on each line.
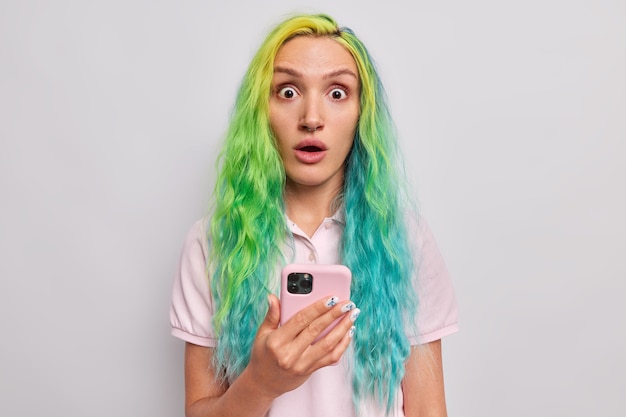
[512, 118]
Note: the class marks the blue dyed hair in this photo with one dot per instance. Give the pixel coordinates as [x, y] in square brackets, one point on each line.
[248, 230]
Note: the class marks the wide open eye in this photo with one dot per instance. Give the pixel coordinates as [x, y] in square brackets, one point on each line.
[338, 94]
[287, 92]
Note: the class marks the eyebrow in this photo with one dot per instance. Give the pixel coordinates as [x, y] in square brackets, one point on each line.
[332, 74]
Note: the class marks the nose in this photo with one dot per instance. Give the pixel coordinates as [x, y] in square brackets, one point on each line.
[312, 118]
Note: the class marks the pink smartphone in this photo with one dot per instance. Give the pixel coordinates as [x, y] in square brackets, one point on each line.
[303, 284]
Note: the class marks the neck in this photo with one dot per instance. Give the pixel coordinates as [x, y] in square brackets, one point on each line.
[309, 206]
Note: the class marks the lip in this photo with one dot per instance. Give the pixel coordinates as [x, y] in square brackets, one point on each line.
[310, 151]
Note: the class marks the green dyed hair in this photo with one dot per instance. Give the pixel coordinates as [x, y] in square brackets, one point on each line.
[248, 229]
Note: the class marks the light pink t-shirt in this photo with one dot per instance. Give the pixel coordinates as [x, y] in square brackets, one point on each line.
[328, 392]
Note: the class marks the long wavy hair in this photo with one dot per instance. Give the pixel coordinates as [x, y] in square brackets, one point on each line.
[248, 229]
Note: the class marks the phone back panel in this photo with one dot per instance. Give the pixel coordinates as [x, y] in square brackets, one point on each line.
[328, 280]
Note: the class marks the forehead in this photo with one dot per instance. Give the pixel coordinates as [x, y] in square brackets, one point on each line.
[315, 54]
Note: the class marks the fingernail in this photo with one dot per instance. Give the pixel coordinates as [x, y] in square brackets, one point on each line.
[348, 307]
[332, 301]
[355, 314]
[351, 332]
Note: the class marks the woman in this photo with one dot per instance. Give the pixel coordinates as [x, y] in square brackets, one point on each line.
[308, 175]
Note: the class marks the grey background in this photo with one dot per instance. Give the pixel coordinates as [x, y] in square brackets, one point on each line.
[512, 117]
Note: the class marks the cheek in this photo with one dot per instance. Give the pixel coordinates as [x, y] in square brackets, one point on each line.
[273, 119]
[279, 112]
[353, 117]
[351, 129]
[277, 124]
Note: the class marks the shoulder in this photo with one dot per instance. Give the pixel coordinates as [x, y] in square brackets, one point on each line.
[419, 231]
[197, 237]
[437, 306]
[191, 307]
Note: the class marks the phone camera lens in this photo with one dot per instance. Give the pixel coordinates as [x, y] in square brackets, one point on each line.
[307, 282]
[299, 283]
[293, 283]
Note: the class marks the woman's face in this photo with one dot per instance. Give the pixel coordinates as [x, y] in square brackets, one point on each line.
[314, 110]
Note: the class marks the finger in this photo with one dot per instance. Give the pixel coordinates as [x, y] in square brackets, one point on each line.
[272, 317]
[335, 356]
[330, 349]
[303, 318]
[273, 311]
[319, 327]
[331, 336]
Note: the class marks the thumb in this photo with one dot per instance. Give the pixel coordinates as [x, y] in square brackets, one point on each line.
[273, 313]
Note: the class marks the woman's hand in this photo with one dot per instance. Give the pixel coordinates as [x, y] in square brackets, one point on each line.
[283, 357]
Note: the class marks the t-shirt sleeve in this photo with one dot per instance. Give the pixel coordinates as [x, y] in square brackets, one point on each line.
[437, 312]
[191, 310]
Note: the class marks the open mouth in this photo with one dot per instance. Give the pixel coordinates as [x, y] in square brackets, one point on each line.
[310, 149]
